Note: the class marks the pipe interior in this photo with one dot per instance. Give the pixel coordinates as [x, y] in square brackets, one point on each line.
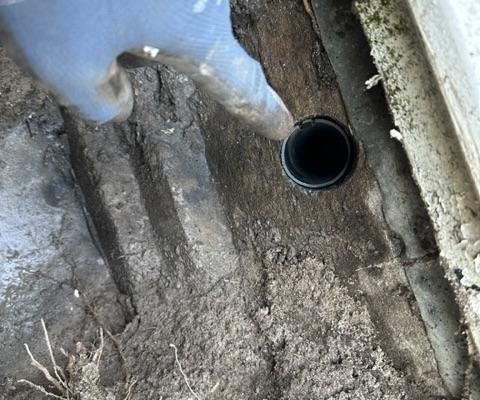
[318, 154]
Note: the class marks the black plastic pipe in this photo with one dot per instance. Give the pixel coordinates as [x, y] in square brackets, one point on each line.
[319, 153]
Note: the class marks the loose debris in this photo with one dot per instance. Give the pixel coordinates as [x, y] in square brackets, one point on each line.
[373, 81]
[394, 134]
[60, 381]
[80, 379]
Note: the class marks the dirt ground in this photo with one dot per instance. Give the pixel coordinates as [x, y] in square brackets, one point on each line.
[228, 281]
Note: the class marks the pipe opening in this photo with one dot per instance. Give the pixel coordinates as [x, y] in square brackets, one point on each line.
[318, 154]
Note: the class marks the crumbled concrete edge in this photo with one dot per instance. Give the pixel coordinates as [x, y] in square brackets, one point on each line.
[430, 143]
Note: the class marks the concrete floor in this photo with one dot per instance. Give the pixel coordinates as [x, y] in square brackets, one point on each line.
[50, 267]
[267, 291]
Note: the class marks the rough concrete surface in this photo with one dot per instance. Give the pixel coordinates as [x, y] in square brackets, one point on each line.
[267, 291]
[50, 267]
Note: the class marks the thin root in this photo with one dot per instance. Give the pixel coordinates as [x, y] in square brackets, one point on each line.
[98, 354]
[41, 389]
[44, 371]
[183, 373]
[56, 369]
[129, 392]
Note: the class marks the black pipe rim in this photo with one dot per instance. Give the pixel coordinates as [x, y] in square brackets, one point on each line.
[318, 124]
